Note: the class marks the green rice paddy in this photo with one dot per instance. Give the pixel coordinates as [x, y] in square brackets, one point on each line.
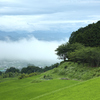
[38, 88]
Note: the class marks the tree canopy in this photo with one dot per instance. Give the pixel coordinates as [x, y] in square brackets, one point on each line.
[88, 55]
[64, 49]
[12, 69]
[88, 36]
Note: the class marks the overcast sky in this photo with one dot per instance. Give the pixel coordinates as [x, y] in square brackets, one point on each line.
[31, 15]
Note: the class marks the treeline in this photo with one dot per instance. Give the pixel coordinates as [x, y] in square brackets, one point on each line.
[83, 46]
[26, 72]
[32, 68]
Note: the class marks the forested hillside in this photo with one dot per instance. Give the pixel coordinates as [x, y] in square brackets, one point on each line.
[83, 46]
[88, 36]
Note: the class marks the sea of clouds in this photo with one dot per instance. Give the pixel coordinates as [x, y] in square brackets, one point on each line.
[30, 50]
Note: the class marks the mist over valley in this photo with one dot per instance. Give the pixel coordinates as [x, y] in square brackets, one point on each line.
[22, 51]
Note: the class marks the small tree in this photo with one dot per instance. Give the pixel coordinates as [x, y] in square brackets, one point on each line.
[64, 49]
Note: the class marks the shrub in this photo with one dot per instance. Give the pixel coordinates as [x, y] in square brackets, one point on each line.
[47, 77]
[55, 70]
[33, 74]
[23, 76]
[62, 72]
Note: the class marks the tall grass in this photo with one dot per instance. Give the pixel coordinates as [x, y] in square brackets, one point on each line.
[77, 71]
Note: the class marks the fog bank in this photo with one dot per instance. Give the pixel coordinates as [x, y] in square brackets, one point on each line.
[30, 50]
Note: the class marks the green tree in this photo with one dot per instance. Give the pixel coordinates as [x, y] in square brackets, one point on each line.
[31, 69]
[12, 69]
[64, 49]
[86, 55]
[0, 73]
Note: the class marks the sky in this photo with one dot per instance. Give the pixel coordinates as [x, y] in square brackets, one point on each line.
[42, 15]
[31, 15]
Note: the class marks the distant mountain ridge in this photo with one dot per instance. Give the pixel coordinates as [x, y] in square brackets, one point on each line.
[40, 35]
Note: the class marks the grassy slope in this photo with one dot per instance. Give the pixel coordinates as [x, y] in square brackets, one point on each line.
[88, 90]
[25, 90]
[28, 89]
[76, 71]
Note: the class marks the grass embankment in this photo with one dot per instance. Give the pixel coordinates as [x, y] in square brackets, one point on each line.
[40, 88]
[76, 71]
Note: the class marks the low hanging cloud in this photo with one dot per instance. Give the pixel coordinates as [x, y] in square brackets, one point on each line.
[30, 50]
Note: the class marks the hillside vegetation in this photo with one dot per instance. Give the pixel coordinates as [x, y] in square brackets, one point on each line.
[88, 36]
[71, 70]
[59, 83]
[83, 46]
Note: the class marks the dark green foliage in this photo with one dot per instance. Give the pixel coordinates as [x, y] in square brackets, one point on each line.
[12, 69]
[0, 73]
[61, 51]
[4, 75]
[27, 75]
[31, 69]
[65, 67]
[88, 36]
[76, 52]
[33, 74]
[23, 76]
[50, 67]
[47, 77]
[64, 49]
[9, 74]
[83, 46]
[86, 55]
